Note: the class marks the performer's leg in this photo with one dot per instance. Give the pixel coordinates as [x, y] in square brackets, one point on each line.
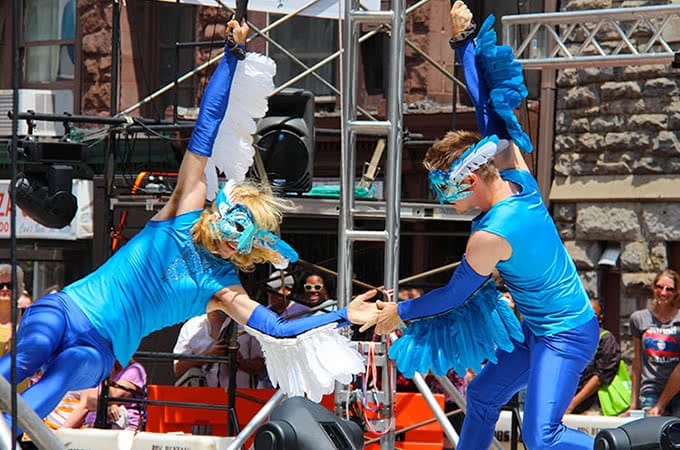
[556, 365]
[73, 369]
[39, 336]
[492, 388]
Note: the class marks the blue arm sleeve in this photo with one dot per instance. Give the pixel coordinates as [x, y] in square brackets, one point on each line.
[464, 282]
[269, 323]
[476, 88]
[213, 106]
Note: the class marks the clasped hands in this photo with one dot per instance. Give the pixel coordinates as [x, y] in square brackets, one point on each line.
[384, 315]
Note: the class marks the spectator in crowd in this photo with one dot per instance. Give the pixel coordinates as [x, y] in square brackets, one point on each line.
[6, 288]
[125, 382]
[279, 295]
[206, 335]
[600, 371]
[656, 345]
[315, 294]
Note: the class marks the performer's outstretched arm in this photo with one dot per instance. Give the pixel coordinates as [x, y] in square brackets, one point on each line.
[234, 301]
[190, 192]
[483, 252]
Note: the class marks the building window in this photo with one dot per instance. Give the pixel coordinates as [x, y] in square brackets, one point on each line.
[310, 39]
[48, 42]
[177, 24]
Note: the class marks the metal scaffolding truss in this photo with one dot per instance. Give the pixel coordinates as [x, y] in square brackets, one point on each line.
[604, 37]
[306, 70]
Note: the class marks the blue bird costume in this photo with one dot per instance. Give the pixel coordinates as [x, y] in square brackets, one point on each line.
[462, 324]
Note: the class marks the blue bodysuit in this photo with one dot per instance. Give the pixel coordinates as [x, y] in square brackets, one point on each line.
[559, 328]
[561, 332]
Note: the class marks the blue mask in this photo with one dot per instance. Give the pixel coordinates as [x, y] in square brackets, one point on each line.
[236, 224]
[448, 186]
[446, 189]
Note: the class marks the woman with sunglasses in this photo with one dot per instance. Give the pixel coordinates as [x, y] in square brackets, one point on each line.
[656, 344]
[185, 263]
[315, 293]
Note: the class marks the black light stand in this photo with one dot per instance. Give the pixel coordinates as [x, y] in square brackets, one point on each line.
[515, 422]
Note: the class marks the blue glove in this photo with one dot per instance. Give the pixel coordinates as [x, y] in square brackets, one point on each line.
[464, 282]
[213, 107]
[269, 323]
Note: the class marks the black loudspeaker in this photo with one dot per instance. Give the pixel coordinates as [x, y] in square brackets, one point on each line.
[300, 424]
[285, 137]
[650, 433]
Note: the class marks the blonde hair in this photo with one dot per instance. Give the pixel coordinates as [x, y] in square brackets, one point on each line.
[267, 213]
[448, 149]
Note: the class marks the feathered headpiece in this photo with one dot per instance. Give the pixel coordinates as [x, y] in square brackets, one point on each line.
[447, 185]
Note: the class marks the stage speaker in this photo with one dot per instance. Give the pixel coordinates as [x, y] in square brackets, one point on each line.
[300, 424]
[285, 137]
[650, 433]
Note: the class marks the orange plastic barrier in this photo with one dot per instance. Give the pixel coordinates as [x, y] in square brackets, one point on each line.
[413, 409]
[165, 419]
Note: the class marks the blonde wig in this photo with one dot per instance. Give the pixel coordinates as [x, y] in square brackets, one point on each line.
[267, 213]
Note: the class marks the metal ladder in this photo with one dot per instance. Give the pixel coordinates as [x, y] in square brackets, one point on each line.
[392, 128]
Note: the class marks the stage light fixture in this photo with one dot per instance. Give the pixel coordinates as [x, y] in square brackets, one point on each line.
[650, 433]
[299, 423]
[43, 188]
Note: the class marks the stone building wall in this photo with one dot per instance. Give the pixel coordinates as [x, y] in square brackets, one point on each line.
[96, 19]
[619, 123]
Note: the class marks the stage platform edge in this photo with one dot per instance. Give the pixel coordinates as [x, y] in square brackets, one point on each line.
[94, 439]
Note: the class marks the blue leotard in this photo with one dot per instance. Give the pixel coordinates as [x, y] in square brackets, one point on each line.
[540, 274]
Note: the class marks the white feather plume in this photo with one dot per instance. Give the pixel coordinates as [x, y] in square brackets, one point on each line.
[476, 157]
[233, 149]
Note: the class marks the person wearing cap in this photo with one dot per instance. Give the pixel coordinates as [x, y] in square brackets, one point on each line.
[279, 296]
[514, 233]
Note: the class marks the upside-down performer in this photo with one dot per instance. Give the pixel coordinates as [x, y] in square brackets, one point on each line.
[514, 234]
[185, 261]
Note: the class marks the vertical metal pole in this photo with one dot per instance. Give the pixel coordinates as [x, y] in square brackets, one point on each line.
[395, 95]
[110, 152]
[16, 27]
[347, 164]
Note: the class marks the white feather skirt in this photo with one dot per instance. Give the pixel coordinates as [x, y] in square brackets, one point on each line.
[311, 363]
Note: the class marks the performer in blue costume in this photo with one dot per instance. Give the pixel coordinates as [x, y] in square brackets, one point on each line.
[181, 264]
[514, 234]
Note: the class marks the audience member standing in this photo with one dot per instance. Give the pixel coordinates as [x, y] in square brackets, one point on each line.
[656, 342]
[206, 335]
[600, 371]
[279, 296]
[7, 286]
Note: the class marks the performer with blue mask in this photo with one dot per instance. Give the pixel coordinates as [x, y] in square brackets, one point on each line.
[185, 261]
[514, 234]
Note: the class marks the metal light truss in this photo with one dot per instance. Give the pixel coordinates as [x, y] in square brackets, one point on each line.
[605, 37]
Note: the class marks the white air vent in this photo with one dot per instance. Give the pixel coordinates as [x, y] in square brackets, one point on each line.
[42, 101]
